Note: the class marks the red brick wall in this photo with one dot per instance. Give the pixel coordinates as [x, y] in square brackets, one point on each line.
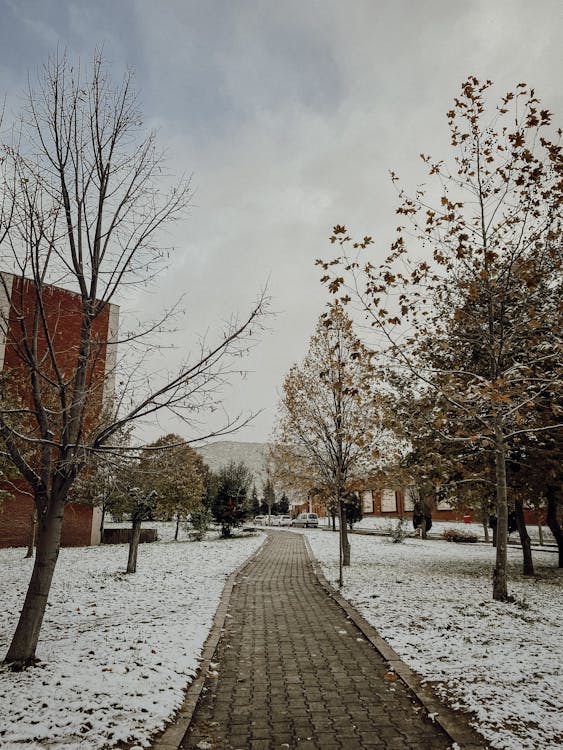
[77, 525]
[15, 523]
[437, 515]
[63, 311]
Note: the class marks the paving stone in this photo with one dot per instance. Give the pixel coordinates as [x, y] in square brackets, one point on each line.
[260, 745]
[289, 676]
[328, 742]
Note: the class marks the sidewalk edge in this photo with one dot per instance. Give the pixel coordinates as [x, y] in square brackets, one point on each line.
[465, 736]
[171, 738]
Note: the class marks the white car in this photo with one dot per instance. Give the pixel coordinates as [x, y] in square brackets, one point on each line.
[260, 520]
[284, 521]
[308, 520]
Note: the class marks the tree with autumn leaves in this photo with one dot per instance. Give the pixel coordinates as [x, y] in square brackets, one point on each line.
[330, 421]
[467, 301]
[177, 473]
[166, 480]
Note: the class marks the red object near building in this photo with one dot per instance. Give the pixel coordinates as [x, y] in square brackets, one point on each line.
[81, 525]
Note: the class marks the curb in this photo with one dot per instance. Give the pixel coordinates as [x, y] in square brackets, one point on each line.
[460, 733]
[172, 736]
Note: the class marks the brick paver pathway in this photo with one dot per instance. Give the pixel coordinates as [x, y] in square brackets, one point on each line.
[294, 672]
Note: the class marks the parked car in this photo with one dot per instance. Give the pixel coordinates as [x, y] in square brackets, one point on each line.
[308, 520]
[280, 520]
[260, 520]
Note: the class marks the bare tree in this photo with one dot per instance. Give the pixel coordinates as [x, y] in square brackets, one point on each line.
[329, 418]
[477, 317]
[83, 200]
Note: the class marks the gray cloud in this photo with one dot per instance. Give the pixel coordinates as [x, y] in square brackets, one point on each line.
[289, 115]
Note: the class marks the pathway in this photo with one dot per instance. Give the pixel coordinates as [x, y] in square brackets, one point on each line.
[292, 671]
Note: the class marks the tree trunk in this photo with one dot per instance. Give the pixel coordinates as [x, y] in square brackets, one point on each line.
[340, 558]
[32, 534]
[528, 563]
[423, 534]
[486, 531]
[553, 520]
[343, 533]
[333, 516]
[21, 652]
[540, 527]
[134, 545]
[484, 514]
[102, 521]
[177, 527]
[500, 590]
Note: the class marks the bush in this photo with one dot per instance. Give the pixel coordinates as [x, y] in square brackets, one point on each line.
[399, 531]
[228, 505]
[459, 536]
[200, 521]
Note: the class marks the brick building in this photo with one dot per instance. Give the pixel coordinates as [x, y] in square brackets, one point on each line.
[396, 503]
[387, 503]
[81, 525]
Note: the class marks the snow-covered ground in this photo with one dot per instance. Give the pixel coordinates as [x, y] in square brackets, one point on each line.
[116, 650]
[431, 600]
[381, 523]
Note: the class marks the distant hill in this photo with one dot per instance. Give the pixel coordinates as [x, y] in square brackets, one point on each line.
[254, 455]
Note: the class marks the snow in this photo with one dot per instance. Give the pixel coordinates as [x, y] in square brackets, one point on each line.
[431, 600]
[116, 650]
[382, 523]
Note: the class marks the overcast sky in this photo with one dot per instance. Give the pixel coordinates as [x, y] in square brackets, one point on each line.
[289, 115]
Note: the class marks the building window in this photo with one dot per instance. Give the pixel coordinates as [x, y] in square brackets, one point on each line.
[388, 501]
[367, 501]
[410, 497]
[442, 503]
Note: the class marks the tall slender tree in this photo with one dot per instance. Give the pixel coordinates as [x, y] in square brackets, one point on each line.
[269, 497]
[230, 504]
[83, 197]
[471, 307]
[330, 417]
